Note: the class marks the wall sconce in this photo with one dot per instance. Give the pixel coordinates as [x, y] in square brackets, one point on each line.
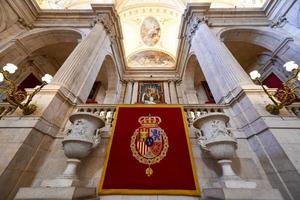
[13, 95]
[283, 96]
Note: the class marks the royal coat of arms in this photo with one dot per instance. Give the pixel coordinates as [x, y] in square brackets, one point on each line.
[149, 142]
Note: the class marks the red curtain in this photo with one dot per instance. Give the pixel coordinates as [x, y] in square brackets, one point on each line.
[208, 92]
[30, 82]
[272, 81]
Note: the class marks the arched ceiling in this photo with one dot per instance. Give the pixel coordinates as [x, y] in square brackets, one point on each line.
[121, 4]
[150, 27]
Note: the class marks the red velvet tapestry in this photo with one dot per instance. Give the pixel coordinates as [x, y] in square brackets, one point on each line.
[149, 153]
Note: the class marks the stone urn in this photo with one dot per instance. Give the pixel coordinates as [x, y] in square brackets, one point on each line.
[83, 135]
[214, 137]
[79, 139]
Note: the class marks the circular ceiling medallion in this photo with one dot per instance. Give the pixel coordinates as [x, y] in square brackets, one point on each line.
[150, 31]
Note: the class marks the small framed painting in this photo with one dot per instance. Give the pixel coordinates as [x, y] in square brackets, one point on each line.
[151, 93]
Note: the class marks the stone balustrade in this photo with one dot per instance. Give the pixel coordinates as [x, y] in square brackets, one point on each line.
[295, 109]
[192, 112]
[6, 109]
[105, 111]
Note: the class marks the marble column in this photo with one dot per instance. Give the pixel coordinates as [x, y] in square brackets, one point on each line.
[80, 70]
[135, 92]
[100, 95]
[202, 98]
[167, 93]
[180, 93]
[192, 97]
[128, 92]
[173, 93]
[228, 80]
[221, 70]
[122, 92]
[110, 97]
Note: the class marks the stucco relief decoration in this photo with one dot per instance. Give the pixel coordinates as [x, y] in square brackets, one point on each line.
[151, 59]
[150, 31]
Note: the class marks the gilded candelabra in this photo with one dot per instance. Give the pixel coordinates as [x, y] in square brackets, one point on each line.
[15, 96]
[283, 96]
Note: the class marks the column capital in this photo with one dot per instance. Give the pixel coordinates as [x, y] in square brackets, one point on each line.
[107, 15]
[106, 21]
[123, 81]
[178, 81]
[195, 21]
[175, 81]
[130, 81]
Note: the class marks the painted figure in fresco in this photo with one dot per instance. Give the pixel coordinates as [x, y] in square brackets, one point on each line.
[150, 96]
[150, 31]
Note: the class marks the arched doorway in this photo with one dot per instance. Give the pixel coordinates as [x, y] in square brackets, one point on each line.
[196, 88]
[106, 88]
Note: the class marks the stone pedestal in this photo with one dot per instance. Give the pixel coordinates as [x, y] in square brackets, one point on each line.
[58, 193]
[79, 139]
[221, 144]
[68, 179]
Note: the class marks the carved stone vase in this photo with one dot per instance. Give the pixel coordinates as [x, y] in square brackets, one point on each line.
[79, 139]
[220, 143]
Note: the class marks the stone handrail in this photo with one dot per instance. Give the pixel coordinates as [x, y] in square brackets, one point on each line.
[6, 109]
[106, 111]
[295, 109]
[194, 111]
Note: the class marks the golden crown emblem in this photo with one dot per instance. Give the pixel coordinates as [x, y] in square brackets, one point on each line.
[149, 120]
[149, 143]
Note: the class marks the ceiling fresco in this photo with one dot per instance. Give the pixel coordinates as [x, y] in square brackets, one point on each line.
[151, 59]
[150, 31]
[150, 27]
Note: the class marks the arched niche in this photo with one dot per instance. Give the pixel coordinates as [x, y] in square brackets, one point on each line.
[39, 51]
[195, 86]
[260, 49]
[106, 87]
[266, 38]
